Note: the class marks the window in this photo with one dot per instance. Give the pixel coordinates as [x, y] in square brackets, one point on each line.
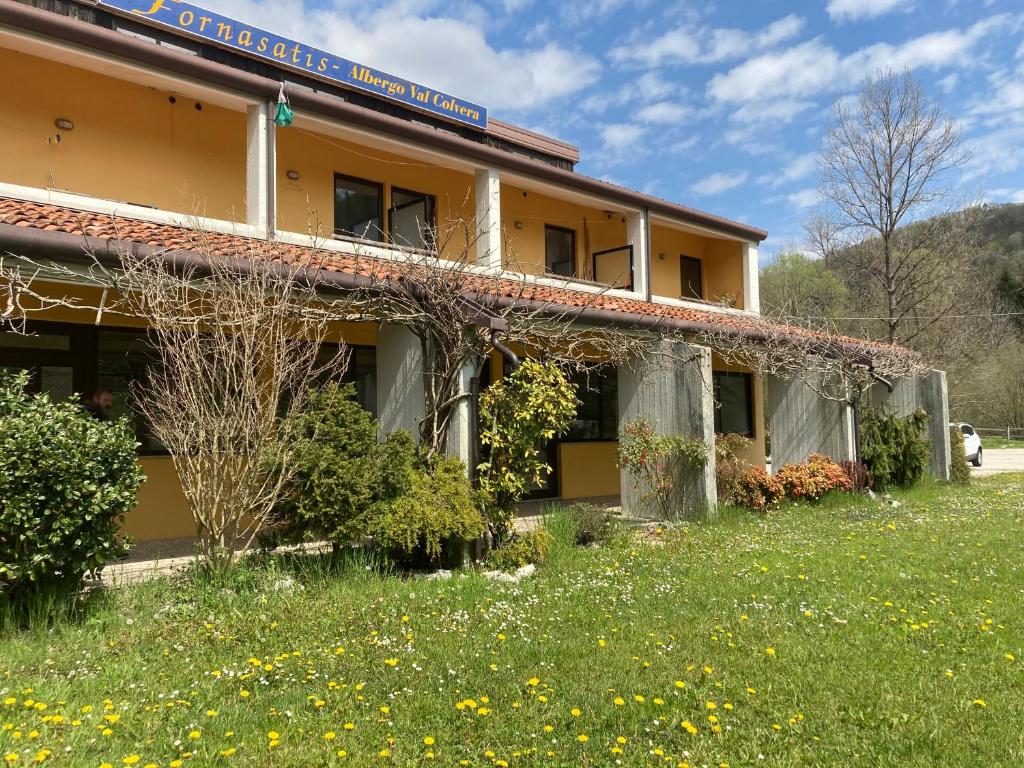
[358, 208]
[361, 371]
[690, 278]
[734, 403]
[411, 219]
[122, 357]
[966, 429]
[614, 266]
[560, 251]
[598, 415]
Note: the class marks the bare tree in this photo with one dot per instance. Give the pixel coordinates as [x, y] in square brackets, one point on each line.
[237, 342]
[885, 165]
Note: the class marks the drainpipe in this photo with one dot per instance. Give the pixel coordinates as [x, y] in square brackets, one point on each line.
[647, 253]
[510, 357]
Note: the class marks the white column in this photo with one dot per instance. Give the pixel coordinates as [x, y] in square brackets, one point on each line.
[461, 432]
[637, 230]
[751, 287]
[488, 218]
[260, 163]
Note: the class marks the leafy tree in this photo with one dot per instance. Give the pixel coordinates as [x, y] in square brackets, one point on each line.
[797, 286]
[520, 414]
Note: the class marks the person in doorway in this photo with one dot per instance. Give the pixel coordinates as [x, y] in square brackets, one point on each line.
[100, 404]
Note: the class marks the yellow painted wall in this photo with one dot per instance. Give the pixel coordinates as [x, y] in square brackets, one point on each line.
[524, 251]
[587, 469]
[307, 205]
[721, 260]
[129, 143]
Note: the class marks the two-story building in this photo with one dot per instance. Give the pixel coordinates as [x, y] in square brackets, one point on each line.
[129, 120]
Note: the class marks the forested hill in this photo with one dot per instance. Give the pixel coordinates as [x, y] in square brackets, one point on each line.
[1002, 232]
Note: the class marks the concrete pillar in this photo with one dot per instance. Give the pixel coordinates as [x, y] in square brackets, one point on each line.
[927, 392]
[751, 286]
[803, 422]
[488, 218]
[461, 433]
[399, 380]
[638, 234]
[676, 398]
[260, 168]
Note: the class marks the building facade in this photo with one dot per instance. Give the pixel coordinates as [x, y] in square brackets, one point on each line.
[131, 121]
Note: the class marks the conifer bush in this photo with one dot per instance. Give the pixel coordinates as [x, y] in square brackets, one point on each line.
[893, 447]
[959, 472]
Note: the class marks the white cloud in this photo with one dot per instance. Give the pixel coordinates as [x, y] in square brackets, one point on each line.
[662, 112]
[1006, 194]
[848, 10]
[618, 136]
[798, 168]
[771, 111]
[805, 198]
[814, 67]
[418, 41]
[717, 183]
[698, 45]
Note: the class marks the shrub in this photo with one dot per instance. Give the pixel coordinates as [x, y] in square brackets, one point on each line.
[658, 464]
[66, 482]
[592, 523]
[813, 478]
[728, 465]
[519, 415]
[523, 549]
[892, 447]
[959, 472]
[758, 490]
[437, 507]
[340, 470]
[860, 477]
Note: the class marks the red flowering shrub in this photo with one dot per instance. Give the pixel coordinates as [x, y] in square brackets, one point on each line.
[860, 477]
[758, 490]
[814, 478]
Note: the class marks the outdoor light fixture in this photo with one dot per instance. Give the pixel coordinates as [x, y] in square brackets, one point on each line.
[518, 224]
[64, 124]
[292, 174]
[661, 257]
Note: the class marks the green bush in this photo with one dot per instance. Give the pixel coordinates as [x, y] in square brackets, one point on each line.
[591, 523]
[437, 507]
[959, 472]
[660, 465]
[892, 447]
[340, 471]
[728, 465]
[758, 490]
[523, 549]
[66, 482]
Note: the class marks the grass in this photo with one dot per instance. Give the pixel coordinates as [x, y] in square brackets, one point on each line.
[1000, 442]
[851, 633]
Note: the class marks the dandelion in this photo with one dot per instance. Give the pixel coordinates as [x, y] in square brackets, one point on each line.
[575, 712]
[228, 752]
[979, 703]
[583, 738]
[689, 727]
[131, 759]
[619, 701]
[194, 735]
[330, 736]
[428, 740]
[769, 651]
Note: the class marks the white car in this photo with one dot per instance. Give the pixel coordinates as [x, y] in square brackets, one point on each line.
[972, 442]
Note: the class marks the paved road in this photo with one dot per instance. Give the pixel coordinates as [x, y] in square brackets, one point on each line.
[997, 460]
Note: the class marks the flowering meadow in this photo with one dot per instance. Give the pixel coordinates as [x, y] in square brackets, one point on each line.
[852, 633]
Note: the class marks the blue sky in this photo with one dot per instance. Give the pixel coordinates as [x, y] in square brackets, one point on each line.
[718, 105]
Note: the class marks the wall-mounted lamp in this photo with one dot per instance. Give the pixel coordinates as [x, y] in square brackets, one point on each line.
[292, 174]
[518, 224]
[661, 257]
[64, 124]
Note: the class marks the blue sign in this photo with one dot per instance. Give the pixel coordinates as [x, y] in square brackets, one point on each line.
[206, 25]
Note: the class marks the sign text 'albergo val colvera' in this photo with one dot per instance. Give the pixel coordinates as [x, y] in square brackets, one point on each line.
[231, 33]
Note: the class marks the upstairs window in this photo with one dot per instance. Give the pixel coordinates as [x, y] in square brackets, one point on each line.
[412, 219]
[734, 403]
[358, 208]
[691, 280]
[560, 251]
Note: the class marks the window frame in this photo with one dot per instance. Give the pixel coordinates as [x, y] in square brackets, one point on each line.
[716, 387]
[692, 260]
[379, 185]
[606, 251]
[565, 230]
[431, 246]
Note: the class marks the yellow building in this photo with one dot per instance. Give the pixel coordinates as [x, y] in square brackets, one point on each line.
[131, 120]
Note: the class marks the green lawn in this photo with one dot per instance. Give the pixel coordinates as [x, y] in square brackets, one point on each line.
[850, 634]
[1000, 442]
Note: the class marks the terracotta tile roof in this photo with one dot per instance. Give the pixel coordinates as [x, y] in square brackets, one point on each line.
[53, 218]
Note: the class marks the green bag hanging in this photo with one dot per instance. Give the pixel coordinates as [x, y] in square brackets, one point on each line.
[284, 115]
